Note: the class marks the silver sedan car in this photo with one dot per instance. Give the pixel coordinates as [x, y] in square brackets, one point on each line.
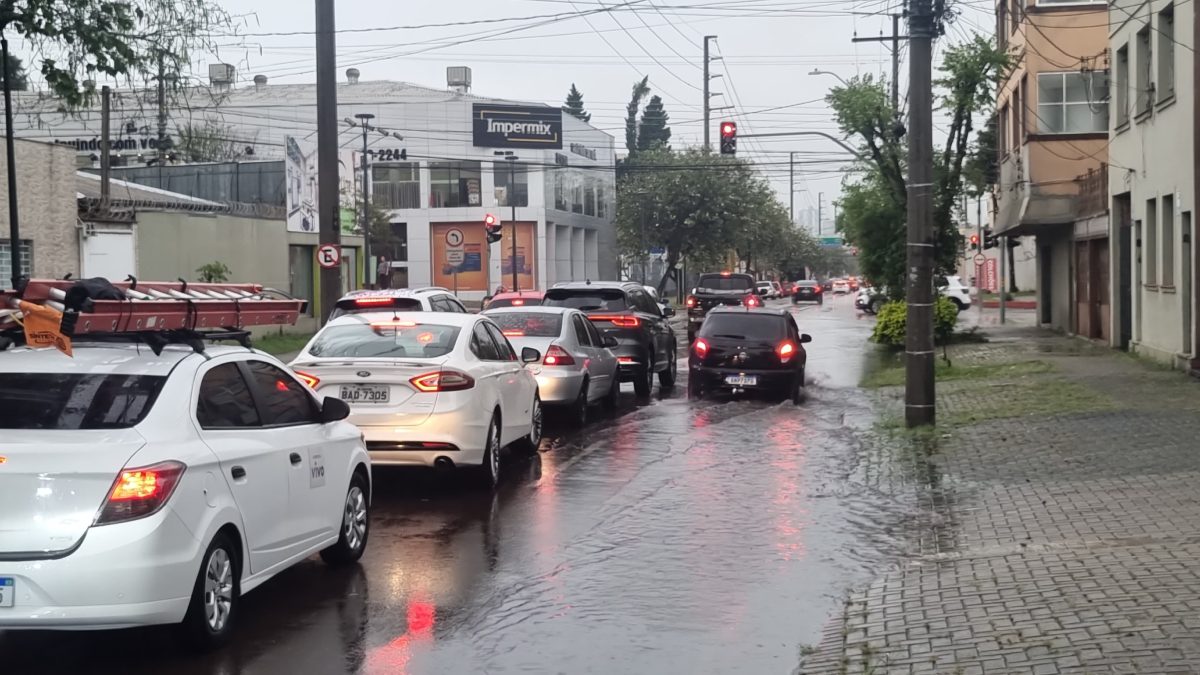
[577, 367]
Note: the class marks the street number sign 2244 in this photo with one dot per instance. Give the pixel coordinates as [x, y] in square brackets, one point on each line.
[390, 154]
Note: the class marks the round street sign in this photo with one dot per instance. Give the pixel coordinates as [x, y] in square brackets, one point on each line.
[329, 256]
[454, 238]
[980, 258]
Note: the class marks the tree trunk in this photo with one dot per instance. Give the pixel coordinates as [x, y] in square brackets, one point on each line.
[672, 261]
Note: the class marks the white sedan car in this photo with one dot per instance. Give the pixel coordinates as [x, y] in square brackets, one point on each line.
[841, 287]
[428, 388]
[138, 489]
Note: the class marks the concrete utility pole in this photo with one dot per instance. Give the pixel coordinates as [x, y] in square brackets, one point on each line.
[14, 227]
[105, 147]
[364, 120]
[820, 212]
[328, 216]
[894, 38]
[160, 147]
[708, 109]
[919, 391]
[792, 186]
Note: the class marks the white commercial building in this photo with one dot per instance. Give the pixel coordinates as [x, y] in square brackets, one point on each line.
[436, 166]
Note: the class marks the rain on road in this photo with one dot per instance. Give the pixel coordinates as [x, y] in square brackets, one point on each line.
[672, 536]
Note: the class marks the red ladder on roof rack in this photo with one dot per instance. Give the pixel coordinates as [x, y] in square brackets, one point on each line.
[160, 306]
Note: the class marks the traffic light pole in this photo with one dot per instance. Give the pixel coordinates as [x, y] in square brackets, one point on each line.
[1003, 275]
[512, 181]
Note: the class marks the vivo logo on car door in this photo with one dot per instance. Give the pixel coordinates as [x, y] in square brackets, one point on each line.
[316, 469]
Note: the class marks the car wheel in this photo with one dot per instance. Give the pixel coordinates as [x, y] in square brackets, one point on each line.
[958, 304]
[356, 525]
[490, 469]
[645, 380]
[579, 409]
[216, 596]
[614, 393]
[694, 391]
[666, 379]
[798, 388]
[536, 424]
[874, 305]
[691, 336]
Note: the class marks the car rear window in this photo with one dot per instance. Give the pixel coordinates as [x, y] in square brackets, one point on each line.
[514, 302]
[528, 324]
[807, 284]
[374, 303]
[721, 283]
[71, 401]
[385, 339]
[745, 326]
[587, 299]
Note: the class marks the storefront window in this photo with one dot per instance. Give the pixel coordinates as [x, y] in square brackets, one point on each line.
[520, 184]
[396, 186]
[6, 261]
[560, 190]
[589, 196]
[576, 193]
[601, 202]
[453, 184]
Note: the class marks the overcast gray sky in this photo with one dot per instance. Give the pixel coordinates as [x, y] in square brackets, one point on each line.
[768, 49]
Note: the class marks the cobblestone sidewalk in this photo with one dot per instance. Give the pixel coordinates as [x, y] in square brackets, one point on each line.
[1061, 527]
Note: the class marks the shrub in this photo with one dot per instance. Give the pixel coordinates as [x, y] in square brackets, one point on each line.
[215, 272]
[889, 328]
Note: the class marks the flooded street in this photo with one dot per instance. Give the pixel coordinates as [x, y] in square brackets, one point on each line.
[672, 536]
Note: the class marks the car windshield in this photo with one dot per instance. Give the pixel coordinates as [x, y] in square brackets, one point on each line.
[721, 283]
[528, 324]
[745, 326]
[385, 339]
[587, 299]
[514, 302]
[374, 303]
[71, 401]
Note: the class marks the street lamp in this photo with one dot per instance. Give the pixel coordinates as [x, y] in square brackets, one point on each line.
[364, 121]
[511, 158]
[818, 71]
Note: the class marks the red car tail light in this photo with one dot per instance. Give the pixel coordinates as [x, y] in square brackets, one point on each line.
[442, 380]
[818, 289]
[311, 380]
[785, 350]
[557, 356]
[140, 492]
[518, 302]
[373, 302]
[621, 321]
[514, 333]
[753, 301]
[691, 301]
[700, 346]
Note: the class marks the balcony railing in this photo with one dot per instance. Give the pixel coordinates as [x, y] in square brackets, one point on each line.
[1093, 192]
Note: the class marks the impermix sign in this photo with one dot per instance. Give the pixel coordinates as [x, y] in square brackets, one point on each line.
[516, 126]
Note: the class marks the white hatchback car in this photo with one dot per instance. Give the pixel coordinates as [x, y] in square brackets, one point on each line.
[427, 299]
[428, 388]
[138, 489]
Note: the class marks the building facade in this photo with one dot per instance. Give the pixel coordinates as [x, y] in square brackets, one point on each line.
[46, 208]
[1052, 122]
[1152, 178]
[439, 161]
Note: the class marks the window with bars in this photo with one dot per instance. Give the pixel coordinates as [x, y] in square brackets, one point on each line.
[396, 186]
[6, 260]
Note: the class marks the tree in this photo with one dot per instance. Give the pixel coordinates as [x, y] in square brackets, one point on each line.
[574, 106]
[74, 42]
[640, 89]
[876, 208]
[207, 142]
[20, 79]
[653, 131]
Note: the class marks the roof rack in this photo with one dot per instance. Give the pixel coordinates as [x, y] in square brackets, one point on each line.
[153, 312]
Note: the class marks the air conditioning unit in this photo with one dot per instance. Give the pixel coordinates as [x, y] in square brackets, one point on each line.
[221, 73]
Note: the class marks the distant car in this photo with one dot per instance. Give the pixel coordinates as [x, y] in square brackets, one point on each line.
[746, 349]
[625, 311]
[577, 369]
[827, 285]
[715, 290]
[853, 281]
[956, 291]
[428, 389]
[841, 287]
[514, 299]
[765, 289]
[807, 291]
[778, 289]
[430, 299]
[869, 300]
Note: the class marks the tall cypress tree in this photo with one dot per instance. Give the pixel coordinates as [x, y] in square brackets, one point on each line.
[574, 106]
[653, 131]
[640, 89]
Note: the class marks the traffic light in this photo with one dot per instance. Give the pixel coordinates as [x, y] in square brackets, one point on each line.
[989, 239]
[728, 138]
[492, 225]
[974, 242]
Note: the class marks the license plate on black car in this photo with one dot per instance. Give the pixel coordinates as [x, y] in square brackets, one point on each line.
[741, 380]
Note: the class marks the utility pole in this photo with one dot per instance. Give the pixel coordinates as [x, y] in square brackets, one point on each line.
[979, 238]
[894, 38]
[329, 225]
[105, 147]
[792, 186]
[1003, 241]
[707, 94]
[160, 146]
[512, 184]
[14, 227]
[919, 392]
[820, 211]
[365, 122]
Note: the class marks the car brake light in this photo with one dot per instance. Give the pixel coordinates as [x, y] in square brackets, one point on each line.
[311, 380]
[513, 333]
[753, 301]
[625, 359]
[518, 302]
[372, 302]
[619, 321]
[786, 350]
[700, 347]
[140, 492]
[819, 289]
[557, 356]
[691, 301]
[443, 380]
[393, 324]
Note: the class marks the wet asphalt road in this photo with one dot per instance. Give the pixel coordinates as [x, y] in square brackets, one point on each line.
[672, 536]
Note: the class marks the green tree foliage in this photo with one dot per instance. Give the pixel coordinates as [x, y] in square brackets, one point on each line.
[653, 131]
[640, 89]
[74, 42]
[874, 210]
[574, 105]
[20, 79]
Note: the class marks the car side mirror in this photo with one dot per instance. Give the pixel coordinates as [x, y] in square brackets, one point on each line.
[668, 311]
[761, 291]
[805, 338]
[610, 342]
[334, 410]
[530, 355]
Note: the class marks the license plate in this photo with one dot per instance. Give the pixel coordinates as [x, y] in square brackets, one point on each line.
[741, 380]
[365, 393]
[8, 591]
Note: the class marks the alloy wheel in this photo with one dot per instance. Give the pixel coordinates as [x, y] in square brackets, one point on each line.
[354, 520]
[218, 589]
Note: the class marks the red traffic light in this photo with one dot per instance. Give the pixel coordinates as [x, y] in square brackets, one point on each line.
[728, 128]
[489, 220]
[974, 240]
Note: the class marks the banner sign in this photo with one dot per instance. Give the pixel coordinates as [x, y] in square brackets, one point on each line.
[516, 126]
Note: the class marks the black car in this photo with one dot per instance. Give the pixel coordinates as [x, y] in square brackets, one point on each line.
[807, 291]
[624, 310]
[716, 290]
[742, 349]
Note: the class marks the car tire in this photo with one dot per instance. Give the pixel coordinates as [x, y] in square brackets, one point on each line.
[579, 409]
[694, 391]
[356, 524]
[958, 304]
[537, 422]
[691, 336]
[669, 375]
[874, 305]
[489, 471]
[643, 381]
[216, 597]
[798, 388]
[614, 393]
